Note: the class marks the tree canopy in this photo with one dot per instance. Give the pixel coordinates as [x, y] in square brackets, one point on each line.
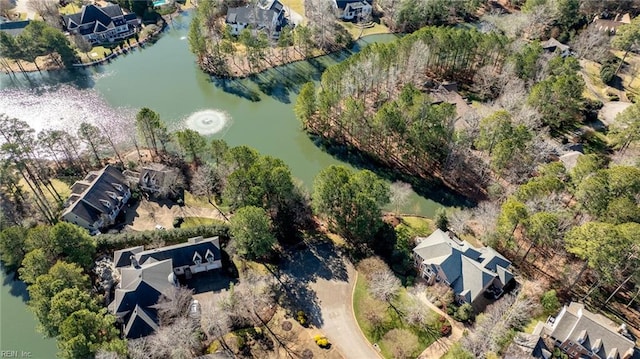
[251, 231]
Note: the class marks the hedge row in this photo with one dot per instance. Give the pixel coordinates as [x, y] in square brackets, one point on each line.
[112, 242]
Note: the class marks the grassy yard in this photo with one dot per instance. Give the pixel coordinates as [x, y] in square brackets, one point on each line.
[294, 5]
[362, 302]
[199, 221]
[356, 32]
[69, 9]
[418, 226]
[62, 188]
[195, 201]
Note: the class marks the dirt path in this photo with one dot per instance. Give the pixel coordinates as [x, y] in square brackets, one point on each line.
[442, 345]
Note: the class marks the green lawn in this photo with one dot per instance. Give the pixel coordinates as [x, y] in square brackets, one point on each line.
[195, 201]
[362, 300]
[62, 188]
[69, 9]
[418, 226]
[355, 31]
[295, 5]
[198, 221]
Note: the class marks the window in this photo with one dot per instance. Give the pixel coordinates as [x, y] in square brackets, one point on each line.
[209, 256]
[105, 203]
[197, 258]
[112, 195]
[118, 186]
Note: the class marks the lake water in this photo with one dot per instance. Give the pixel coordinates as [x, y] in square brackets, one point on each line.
[165, 78]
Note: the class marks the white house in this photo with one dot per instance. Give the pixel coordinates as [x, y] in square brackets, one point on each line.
[102, 24]
[265, 15]
[353, 9]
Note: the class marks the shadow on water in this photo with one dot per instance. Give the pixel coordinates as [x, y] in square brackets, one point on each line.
[431, 188]
[17, 288]
[281, 82]
[51, 80]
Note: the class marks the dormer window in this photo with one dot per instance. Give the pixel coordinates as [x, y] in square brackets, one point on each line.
[118, 186]
[197, 258]
[209, 256]
[105, 203]
[112, 195]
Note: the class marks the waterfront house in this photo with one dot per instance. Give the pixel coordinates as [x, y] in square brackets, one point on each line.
[472, 273]
[155, 179]
[265, 15]
[96, 201]
[101, 24]
[145, 275]
[579, 333]
[352, 9]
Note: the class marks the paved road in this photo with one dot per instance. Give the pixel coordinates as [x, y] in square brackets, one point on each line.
[327, 281]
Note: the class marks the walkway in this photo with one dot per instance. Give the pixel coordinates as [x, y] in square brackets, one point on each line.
[442, 345]
[323, 281]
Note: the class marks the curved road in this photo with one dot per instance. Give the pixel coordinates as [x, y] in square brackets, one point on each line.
[326, 280]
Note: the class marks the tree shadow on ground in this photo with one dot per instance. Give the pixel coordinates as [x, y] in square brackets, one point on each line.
[301, 267]
[431, 188]
[17, 288]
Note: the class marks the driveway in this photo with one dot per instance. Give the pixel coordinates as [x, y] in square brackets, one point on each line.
[21, 6]
[321, 282]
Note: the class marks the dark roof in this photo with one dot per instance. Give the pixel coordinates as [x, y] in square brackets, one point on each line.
[182, 254]
[137, 294]
[89, 195]
[260, 18]
[122, 258]
[141, 323]
[99, 19]
[343, 3]
[14, 28]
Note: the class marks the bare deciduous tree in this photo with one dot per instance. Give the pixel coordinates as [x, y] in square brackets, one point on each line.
[173, 304]
[139, 349]
[178, 340]
[511, 312]
[400, 192]
[48, 9]
[592, 44]
[5, 7]
[384, 285]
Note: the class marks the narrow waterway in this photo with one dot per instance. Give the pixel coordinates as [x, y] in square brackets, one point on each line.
[18, 336]
[256, 112]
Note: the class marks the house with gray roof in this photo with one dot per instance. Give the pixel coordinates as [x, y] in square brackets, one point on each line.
[96, 200]
[580, 333]
[101, 24]
[145, 275]
[265, 15]
[352, 9]
[471, 272]
[155, 179]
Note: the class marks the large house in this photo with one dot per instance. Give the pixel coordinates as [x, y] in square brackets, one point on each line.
[155, 179]
[353, 9]
[102, 24]
[96, 201]
[611, 26]
[265, 15]
[471, 272]
[146, 275]
[579, 334]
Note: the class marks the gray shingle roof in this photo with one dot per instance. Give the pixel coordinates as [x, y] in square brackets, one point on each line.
[260, 16]
[99, 19]
[90, 195]
[180, 254]
[575, 323]
[139, 290]
[469, 270]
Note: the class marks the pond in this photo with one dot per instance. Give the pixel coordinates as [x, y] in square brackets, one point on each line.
[256, 112]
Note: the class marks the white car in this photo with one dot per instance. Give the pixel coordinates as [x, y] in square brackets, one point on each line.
[159, 227]
[194, 309]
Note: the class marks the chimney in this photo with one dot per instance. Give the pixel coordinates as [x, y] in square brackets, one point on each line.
[134, 261]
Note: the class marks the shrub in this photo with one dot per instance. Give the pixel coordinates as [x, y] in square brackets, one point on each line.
[464, 313]
[445, 329]
[613, 96]
[321, 341]
[607, 73]
[550, 302]
[177, 222]
[301, 317]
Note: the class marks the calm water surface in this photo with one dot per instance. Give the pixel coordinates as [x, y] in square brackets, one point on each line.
[164, 77]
